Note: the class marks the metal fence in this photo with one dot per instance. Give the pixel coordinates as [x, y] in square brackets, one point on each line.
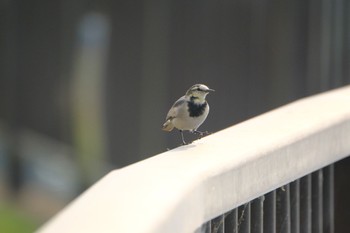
[302, 206]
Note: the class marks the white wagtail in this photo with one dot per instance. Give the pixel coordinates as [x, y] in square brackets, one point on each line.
[189, 112]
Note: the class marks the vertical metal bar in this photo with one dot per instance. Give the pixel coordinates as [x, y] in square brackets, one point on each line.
[317, 201]
[257, 215]
[231, 221]
[295, 206]
[270, 212]
[328, 200]
[218, 224]
[244, 218]
[206, 227]
[305, 204]
[283, 209]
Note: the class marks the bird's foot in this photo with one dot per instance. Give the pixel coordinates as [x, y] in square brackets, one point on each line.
[200, 133]
[185, 143]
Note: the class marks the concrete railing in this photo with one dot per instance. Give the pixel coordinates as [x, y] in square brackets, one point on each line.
[179, 190]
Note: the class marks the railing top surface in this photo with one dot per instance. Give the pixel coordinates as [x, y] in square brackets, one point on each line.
[178, 190]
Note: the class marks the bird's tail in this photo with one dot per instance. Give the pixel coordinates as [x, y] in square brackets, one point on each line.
[168, 126]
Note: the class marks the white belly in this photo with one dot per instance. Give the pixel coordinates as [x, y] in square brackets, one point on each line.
[185, 122]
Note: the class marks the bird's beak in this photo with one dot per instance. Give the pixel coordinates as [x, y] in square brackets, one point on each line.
[210, 90]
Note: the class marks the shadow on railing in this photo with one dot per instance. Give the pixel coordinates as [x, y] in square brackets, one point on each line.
[262, 175]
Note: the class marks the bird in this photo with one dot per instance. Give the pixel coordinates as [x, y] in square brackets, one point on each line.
[189, 111]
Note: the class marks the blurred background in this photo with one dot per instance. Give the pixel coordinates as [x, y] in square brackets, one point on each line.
[85, 85]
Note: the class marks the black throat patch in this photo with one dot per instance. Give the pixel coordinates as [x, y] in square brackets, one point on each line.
[196, 110]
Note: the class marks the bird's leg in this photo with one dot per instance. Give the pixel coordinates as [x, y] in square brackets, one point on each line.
[182, 137]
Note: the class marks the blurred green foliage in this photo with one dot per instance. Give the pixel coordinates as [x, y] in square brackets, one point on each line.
[13, 220]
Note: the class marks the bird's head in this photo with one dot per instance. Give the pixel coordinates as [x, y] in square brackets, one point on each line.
[198, 92]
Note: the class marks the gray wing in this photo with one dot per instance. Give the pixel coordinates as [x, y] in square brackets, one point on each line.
[174, 110]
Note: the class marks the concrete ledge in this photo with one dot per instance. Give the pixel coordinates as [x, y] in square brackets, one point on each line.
[178, 190]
